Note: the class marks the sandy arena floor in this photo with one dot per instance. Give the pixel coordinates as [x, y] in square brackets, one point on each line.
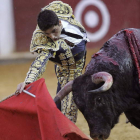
[12, 74]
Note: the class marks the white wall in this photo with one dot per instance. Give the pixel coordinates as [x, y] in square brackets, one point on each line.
[7, 31]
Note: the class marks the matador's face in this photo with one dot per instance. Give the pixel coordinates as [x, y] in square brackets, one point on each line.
[54, 32]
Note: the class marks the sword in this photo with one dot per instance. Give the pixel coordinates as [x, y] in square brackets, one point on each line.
[26, 91]
[29, 93]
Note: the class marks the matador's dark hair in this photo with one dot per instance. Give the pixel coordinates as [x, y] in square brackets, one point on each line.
[47, 19]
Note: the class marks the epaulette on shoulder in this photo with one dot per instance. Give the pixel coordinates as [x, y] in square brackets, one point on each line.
[60, 8]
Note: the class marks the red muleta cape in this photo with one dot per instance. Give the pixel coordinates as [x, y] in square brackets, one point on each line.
[24, 117]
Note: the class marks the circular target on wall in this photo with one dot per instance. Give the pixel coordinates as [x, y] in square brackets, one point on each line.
[95, 17]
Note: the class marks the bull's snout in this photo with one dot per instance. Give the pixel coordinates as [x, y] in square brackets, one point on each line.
[98, 137]
[101, 137]
[98, 132]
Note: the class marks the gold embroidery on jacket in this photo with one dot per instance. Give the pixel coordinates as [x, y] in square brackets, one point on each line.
[63, 44]
[64, 62]
[41, 41]
[68, 53]
[62, 56]
[71, 60]
[38, 67]
[60, 8]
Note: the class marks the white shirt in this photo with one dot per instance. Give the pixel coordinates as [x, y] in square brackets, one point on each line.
[72, 29]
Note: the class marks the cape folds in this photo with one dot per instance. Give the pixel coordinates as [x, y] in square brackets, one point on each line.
[26, 118]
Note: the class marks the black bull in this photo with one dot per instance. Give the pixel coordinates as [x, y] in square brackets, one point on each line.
[110, 84]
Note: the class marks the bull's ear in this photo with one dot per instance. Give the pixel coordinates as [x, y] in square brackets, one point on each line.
[102, 77]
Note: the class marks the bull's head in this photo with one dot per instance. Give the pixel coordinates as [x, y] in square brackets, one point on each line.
[97, 111]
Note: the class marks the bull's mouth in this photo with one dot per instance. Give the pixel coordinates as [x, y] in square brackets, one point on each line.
[100, 134]
[102, 137]
[99, 138]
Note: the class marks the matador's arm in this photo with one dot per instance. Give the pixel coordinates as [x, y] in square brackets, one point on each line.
[38, 67]
[46, 49]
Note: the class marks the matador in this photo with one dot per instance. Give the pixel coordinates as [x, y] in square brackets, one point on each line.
[67, 50]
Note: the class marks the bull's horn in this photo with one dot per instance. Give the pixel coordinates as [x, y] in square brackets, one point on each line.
[63, 92]
[102, 77]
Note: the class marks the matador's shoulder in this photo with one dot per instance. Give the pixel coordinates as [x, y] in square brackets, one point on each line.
[60, 8]
[41, 41]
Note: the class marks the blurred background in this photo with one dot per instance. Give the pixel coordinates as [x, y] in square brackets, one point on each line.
[101, 18]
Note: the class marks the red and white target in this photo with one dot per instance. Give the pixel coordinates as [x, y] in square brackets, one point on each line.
[95, 17]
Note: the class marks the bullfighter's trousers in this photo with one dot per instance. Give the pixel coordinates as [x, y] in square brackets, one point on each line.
[67, 106]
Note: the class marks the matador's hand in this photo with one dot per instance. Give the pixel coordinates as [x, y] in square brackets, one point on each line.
[20, 88]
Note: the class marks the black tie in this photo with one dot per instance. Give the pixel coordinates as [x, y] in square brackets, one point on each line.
[71, 34]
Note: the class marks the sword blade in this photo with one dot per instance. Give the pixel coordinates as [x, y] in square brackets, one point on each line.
[29, 93]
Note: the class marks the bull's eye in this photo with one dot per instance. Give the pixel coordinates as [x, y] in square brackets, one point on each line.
[99, 101]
